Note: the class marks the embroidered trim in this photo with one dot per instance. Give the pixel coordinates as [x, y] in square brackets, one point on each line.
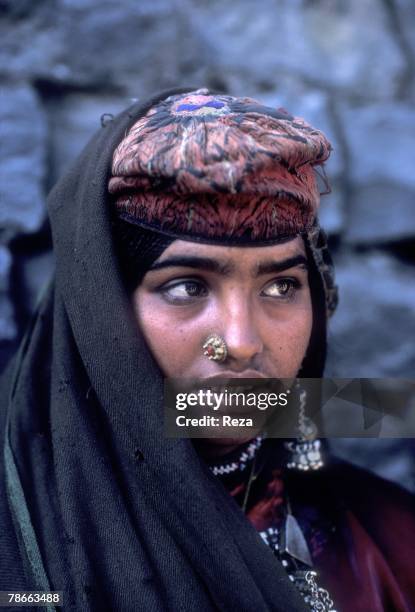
[240, 464]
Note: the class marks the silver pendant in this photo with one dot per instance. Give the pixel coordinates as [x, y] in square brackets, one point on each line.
[305, 455]
[294, 542]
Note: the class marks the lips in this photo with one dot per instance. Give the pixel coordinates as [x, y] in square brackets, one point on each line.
[232, 374]
[226, 379]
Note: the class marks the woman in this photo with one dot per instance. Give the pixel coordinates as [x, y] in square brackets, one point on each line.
[187, 244]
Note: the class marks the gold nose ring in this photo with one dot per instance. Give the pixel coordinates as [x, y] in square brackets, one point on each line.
[215, 348]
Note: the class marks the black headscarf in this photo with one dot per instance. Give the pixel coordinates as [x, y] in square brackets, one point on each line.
[106, 508]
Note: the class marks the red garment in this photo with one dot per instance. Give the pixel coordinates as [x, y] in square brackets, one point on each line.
[360, 530]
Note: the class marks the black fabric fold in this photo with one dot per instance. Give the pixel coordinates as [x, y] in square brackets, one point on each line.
[125, 519]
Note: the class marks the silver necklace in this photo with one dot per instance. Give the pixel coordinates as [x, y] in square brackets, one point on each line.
[299, 572]
[288, 544]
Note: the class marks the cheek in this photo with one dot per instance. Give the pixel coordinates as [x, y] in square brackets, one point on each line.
[288, 341]
[173, 341]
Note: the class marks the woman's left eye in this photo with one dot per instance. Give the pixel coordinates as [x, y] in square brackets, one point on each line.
[282, 288]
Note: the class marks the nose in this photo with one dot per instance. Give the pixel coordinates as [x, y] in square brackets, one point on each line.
[241, 333]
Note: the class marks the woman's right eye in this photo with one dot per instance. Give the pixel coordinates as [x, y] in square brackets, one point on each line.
[184, 291]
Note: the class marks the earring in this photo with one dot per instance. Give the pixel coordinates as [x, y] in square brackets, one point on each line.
[306, 449]
[215, 348]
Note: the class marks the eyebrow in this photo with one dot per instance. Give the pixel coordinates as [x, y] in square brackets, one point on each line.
[226, 269]
[201, 263]
[271, 267]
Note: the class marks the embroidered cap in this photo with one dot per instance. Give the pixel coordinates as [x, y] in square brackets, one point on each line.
[219, 168]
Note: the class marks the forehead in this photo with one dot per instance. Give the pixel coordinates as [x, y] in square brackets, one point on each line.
[235, 254]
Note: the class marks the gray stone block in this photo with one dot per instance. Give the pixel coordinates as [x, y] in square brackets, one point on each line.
[8, 329]
[139, 47]
[73, 120]
[371, 333]
[31, 47]
[22, 160]
[381, 142]
[343, 45]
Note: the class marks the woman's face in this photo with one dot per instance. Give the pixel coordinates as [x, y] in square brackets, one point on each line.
[256, 298]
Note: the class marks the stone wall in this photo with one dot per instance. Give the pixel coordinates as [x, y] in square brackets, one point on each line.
[347, 66]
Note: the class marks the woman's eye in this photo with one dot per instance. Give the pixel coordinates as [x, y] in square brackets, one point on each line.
[185, 290]
[282, 288]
